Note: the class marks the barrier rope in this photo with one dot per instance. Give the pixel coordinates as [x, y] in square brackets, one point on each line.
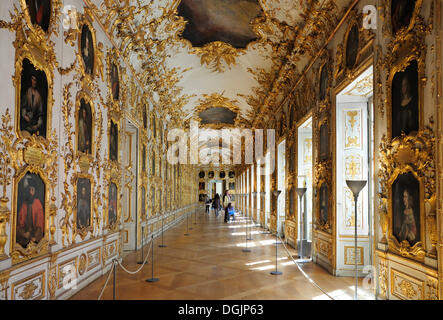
[302, 271]
[115, 261]
[106, 283]
[143, 264]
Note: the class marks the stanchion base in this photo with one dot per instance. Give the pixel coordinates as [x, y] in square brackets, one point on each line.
[162, 246]
[152, 280]
[140, 262]
[246, 250]
[266, 232]
[186, 234]
[276, 273]
[249, 239]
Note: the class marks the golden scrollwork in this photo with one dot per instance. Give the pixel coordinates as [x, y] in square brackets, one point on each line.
[217, 55]
[404, 154]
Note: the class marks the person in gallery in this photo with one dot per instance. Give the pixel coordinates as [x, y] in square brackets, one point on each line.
[32, 108]
[84, 140]
[83, 210]
[408, 230]
[216, 204]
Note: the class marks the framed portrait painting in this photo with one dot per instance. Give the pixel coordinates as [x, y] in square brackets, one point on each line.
[352, 46]
[231, 174]
[83, 216]
[406, 208]
[210, 174]
[323, 82]
[324, 142]
[84, 127]
[40, 13]
[87, 49]
[405, 101]
[201, 174]
[31, 214]
[113, 141]
[112, 204]
[402, 12]
[324, 201]
[33, 101]
[115, 82]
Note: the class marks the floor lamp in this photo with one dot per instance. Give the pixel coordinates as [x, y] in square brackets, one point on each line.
[301, 192]
[356, 186]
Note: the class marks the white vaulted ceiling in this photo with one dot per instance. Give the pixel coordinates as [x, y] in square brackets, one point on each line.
[158, 27]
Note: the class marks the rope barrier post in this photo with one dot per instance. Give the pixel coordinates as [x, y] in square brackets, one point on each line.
[143, 240]
[152, 279]
[187, 223]
[276, 272]
[247, 222]
[162, 245]
[190, 228]
[195, 217]
[113, 289]
[246, 240]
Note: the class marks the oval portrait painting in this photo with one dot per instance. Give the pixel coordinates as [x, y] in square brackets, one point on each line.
[87, 50]
[352, 45]
[40, 13]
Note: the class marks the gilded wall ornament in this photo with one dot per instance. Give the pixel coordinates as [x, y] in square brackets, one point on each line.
[413, 156]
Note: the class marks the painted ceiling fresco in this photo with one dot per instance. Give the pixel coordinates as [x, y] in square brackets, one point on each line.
[219, 20]
[217, 115]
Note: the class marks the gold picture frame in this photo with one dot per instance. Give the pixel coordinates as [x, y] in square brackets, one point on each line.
[83, 95]
[388, 28]
[18, 253]
[400, 66]
[113, 61]
[83, 232]
[113, 226]
[86, 20]
[55, 6]
[418, 250]
[36, 59]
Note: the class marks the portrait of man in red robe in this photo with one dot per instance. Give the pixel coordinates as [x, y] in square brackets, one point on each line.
[31, 216]
[40, 12]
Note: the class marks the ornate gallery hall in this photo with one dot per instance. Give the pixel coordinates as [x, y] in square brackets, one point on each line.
[221, 150]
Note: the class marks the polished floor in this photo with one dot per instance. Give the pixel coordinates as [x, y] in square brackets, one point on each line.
[209, 264]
